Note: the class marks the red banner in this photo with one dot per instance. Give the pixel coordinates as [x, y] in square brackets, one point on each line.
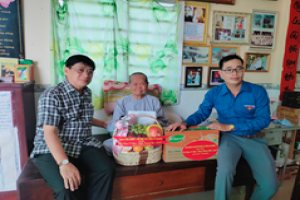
[145, 141]
[288, 74]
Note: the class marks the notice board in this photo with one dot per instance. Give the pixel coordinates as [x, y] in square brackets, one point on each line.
[11, 29]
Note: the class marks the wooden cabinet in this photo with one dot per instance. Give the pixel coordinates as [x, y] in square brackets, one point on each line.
[23, 115]
[23, 112]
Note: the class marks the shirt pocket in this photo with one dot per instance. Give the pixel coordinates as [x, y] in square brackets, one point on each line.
[248, 111]
[71, 113]
[223, 111]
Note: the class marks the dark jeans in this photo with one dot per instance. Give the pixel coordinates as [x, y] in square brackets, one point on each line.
[96, 169]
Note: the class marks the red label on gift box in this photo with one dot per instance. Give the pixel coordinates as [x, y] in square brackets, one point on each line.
[145, 141]
[200, 150]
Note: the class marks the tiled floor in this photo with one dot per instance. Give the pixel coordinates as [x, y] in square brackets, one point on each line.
[284, 193]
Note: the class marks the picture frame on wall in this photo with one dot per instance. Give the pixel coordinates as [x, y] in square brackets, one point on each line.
[257, 62]
[263, 30]
[231, 27]
[196, 54]
[231, 2]
[193, 77]
[214, 78]
[8, 66]
[196, 17]
[218, 52]
[22, 73]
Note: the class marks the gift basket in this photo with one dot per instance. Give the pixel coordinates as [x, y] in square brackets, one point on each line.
[136, 143]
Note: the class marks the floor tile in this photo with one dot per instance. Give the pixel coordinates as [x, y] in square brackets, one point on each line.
[284, 192]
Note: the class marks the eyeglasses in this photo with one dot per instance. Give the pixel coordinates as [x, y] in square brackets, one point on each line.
[80, 71]
[230, 71]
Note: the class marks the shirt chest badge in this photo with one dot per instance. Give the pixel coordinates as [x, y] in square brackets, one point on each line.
[249, 107]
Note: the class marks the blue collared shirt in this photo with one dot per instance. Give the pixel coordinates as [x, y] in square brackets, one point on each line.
[249, 111]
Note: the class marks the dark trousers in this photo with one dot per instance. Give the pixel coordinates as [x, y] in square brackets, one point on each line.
[97, 174]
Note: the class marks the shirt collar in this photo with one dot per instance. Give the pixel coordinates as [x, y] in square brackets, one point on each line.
[69, 88]
[245, 87]
[224, 89]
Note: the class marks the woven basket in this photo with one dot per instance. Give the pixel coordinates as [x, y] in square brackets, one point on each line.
[139, 158]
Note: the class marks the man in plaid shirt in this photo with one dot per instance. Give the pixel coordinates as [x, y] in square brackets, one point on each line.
[72, 162]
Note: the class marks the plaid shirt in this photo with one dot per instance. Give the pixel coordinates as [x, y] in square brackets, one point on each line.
[61, 106]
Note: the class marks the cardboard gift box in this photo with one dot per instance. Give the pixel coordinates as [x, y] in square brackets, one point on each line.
[195, 143]
[291, 114]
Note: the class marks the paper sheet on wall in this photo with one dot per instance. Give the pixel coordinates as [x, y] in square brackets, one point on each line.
[10, 165]
[6, 119]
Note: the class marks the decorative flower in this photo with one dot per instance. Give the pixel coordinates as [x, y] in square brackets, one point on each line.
[142, 50]
[123, 43]
[159, 13]
[75, 44]
[95, 50]
[157, 66]
[171, 46]
[108, 8]
[61, 64]
[160, 54]
[5, 3]
[113, 51]
[122, 131]
[169, 98]
[118, 124]
[61, 12]
[110, 64]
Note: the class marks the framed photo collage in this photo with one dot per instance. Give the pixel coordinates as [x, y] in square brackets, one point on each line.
[230, 30]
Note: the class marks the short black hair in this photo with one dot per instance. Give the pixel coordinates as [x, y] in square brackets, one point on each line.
[227, 58]
[80, 58]
[139, 73]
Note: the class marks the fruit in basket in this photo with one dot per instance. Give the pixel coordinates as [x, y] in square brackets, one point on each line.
[148, 148]
[131, 134]
[138, 128]
[141, 135]
[127, 149]
[154, 130]
[138, 148]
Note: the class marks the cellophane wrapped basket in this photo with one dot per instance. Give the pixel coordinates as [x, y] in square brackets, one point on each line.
[136, 155]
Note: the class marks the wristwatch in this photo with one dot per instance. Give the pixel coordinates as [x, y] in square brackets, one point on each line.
[64, 162]
[231, 127]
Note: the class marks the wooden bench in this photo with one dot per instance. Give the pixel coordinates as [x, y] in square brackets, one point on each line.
[153, 181]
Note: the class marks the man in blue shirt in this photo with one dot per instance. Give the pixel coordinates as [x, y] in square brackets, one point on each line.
[243, 110]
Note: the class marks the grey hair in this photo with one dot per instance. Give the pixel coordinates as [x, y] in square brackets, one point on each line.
[139, 73]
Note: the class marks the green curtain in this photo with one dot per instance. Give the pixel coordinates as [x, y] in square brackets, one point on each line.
[122, 37]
